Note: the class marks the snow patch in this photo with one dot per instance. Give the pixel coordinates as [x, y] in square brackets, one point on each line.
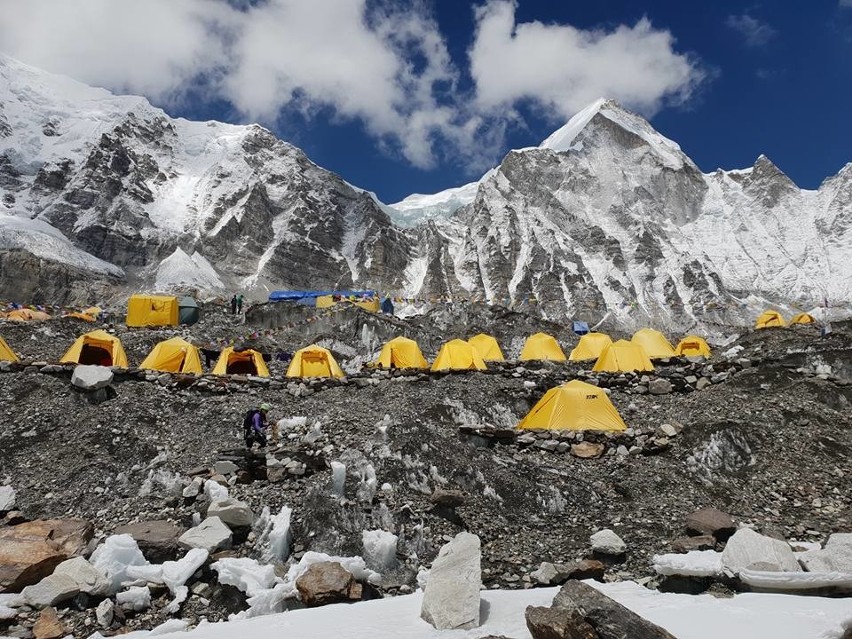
[182, 270]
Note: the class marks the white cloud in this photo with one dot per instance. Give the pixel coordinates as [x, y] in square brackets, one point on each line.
[755, 32]
[382, 63]
[564, 68]
[845, 4]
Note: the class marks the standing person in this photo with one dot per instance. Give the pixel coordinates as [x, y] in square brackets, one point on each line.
[255, 425]
[234, 304]
[240, 303]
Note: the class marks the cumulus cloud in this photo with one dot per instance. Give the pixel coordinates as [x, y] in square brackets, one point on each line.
[385, 64]
[845, 4]
[755, 32]
[564, 68]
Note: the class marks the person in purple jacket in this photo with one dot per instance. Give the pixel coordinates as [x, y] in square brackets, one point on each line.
[255, 425]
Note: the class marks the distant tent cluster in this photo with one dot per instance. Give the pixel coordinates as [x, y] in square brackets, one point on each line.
[774, 319]
[368, 300]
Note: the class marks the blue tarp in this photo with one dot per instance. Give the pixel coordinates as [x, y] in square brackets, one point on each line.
[309, 298]
[581, 328]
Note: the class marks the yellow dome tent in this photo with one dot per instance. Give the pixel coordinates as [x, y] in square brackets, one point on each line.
[542, 346]
[693, 346]
[623, 356]
[574, 406]
[83, 316]
[590, 346]
[314, 361]
[487, 347]
[247, 362]
[458, 355]
[26, 315]
[98, 348]
[654, 342]
[152, 310]
[174, 355]
[769, 319]
[6, 353]
[802, 318]
[401, 352]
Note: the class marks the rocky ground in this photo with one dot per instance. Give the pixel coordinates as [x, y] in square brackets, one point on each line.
[762, 433]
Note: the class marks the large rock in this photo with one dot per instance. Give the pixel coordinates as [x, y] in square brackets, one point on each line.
[89, 579]
[158, 539]
[451, 596]
[549, 574]
[48, 625]
[709, 521]
[746, 549]
[835, 557]
[31, 550]
[587, 450]
[659, 387]
[50, 591]
[91, 378]
[211, 535]
[606, 542]
[327, 582]
[7, 498]
[608, 618]
[688, 544]
[447, 498]
[236, 514]
[557, 623]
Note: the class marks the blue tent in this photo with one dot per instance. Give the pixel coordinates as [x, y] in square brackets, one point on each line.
[581, 328]
[309, 298]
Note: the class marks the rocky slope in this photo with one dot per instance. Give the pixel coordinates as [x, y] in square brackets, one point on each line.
[605, 219]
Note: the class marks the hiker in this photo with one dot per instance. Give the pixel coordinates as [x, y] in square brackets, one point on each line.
[234, 304]
[240, 303]
[387, 306]
[255, 425]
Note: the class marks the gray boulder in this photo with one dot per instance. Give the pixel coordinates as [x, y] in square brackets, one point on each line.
[157, 539]
[89, 579]
[835, 557]
[451, 596]
[660, 387]
[327, 582]
[709, 521]
[7, 498]
[50, 591]
[606, 542]
[236, 514]
[211, 535]
[91, 378]
[747, 548]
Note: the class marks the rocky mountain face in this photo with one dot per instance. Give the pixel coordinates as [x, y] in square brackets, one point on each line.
[605, 220]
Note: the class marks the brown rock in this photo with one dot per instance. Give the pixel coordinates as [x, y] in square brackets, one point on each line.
[447, 498]
[701, 542]
[48, 625]
[557, 623]
[608, 618]
[327, 582]
[31, 550]
[585, 569]
[587, 450]
[158, 539]
[709, 521]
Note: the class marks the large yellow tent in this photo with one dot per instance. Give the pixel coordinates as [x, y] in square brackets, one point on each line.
[802, 318]
[769, 319]
[574, 406]
[542, 346]
[6, 353]
[83, 316]
[152, 310]
[99, 348]
[401, 352]
[623, 356]
[487, 347]
[314, 361]
[174, 355]
[654, 342]
[590, 346]
[26, 315]
[693, 346]
[458, 355]
[247, 362]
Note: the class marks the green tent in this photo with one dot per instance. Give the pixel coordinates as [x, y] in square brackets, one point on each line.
[189, 310]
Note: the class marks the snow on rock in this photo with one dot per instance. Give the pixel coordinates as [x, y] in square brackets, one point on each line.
[180, 270]
[172, 574]
[418, 207]
[135, 598]
[451, 596]
[771, 581]
[338, 478]
[747, 549]
[214, 491]
[380, 549]
[275, 535]
[246, 574]
[115, 556]
[695, 563]
[7, 498]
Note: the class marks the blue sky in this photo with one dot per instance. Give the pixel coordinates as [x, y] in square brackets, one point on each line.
[422, 95]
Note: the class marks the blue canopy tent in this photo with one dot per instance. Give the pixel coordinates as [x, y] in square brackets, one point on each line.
[309, 298]
[581, 328]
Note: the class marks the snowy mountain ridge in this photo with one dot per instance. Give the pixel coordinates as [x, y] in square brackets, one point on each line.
[606, 218]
